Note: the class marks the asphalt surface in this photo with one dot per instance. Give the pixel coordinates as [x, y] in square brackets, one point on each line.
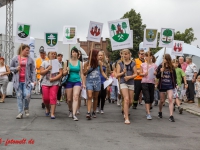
[106, 132]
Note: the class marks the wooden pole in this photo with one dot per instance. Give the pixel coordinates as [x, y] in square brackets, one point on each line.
[91, 49]
[163, 61]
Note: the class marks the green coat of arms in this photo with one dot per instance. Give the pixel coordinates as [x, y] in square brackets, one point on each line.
[70, 32]
[51, 39]
[23, 31]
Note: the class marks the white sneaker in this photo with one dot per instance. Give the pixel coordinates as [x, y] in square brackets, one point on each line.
[75, 118]
[102, 112]
[118, 102]
[26, 112]
[97, 111]
[58, 103]
[70, 114]
[19, 116]
[77, 112]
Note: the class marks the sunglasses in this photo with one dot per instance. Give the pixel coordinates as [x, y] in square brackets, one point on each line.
[141, 53]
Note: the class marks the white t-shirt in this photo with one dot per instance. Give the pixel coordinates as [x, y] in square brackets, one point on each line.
[190, 70]
[46, 77]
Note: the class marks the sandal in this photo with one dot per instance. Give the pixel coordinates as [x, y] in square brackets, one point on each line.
[2, 101]
[127, 122]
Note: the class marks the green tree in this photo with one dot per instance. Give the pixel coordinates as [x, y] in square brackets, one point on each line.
[113, 28]
[167, 33]
[20, 28]
[124, 26]
[187, 36]
[67, 31]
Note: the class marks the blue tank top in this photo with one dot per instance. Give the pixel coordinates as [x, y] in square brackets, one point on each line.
[74, 72]
[102, 77]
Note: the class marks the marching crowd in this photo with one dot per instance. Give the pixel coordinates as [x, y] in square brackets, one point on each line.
[138, 79]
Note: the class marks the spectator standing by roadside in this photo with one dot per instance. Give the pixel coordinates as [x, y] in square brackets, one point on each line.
[191, 73]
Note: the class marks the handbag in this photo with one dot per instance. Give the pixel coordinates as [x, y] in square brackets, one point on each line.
[64, 78]
[10, 76]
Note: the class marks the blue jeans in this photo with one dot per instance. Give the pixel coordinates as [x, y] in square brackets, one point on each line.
[23, 97]
[114, 92]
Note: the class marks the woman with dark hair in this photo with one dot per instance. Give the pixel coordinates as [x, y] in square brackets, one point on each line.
[80, 56]
[93, 82]
[73, 86]
[23, 67]
[167, 82]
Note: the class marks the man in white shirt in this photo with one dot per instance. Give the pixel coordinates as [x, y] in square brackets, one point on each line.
[191, 73]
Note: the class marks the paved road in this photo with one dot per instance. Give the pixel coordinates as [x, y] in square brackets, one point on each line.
[107, 132]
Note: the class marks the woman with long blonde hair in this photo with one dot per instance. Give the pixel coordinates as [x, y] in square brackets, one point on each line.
[126, 71]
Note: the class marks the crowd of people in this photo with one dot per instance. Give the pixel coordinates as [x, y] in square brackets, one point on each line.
[138, 79]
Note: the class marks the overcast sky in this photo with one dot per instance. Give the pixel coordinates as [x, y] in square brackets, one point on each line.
[52, 15]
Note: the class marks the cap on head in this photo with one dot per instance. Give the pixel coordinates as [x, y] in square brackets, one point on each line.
[41, 50]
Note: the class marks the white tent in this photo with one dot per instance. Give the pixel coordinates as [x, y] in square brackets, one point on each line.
[190, 50]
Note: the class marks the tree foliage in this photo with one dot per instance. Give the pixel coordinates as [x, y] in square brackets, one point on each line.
[136, 25]
[113, 28]
[187, 36]
[124, 26]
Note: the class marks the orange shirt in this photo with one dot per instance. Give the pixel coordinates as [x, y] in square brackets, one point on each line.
[138, 63]
[38, 63]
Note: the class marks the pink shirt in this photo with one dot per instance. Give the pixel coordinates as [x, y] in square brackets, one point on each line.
[147, 78]
[22, 72]
[184, 66]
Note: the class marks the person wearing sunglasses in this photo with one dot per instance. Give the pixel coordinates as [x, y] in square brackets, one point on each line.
[138, 78]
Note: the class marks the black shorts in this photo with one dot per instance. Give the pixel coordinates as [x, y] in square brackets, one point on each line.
[164, 90]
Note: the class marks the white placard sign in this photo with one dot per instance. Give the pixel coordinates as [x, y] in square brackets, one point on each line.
[120, 34]
[166, 37]
[177, 49]
[150, 38]
[69, 35]
[95, 31]
[51, 42]
[23, 33]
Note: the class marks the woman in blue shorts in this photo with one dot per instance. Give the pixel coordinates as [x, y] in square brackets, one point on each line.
[73, 86]
[93, 82]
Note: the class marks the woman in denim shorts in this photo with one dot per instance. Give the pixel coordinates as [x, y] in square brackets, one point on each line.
[126, 71]
[93, 82]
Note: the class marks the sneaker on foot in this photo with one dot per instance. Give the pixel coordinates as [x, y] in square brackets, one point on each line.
[159, 114]
[70, 114]
[171, 118]
[43, 106]
[26, 112]
[180, 110]
[102, 112]
[58, 103]
[94, 115]
[118, 102]
[78, 112]
[75, 118]
[88, 115]
[19, 116]
[149, 117]
[97, 111]
[156, 103]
